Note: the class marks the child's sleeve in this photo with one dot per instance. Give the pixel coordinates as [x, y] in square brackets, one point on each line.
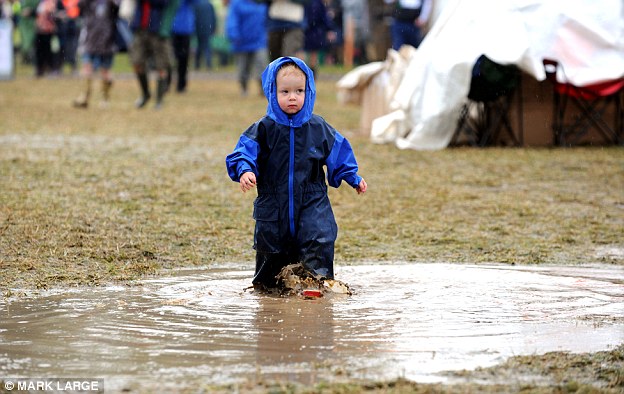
[341, 164]
[243, 159]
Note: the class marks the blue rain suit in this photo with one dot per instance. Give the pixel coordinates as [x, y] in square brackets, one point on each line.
[294, 219]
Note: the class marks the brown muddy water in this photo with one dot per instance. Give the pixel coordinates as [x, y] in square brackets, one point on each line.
[403, 320]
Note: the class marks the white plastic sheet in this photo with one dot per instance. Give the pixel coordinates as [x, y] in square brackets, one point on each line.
[6, 49]
[587, 38]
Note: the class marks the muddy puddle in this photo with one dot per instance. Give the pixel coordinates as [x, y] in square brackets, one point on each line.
[414, 321]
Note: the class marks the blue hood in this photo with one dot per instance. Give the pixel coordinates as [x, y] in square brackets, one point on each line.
[268, 85]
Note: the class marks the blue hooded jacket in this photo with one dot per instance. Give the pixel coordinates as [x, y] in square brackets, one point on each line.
[288, 153]
[245, 25]
[184, 20]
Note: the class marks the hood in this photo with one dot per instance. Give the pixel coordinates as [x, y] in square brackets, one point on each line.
[268, 85]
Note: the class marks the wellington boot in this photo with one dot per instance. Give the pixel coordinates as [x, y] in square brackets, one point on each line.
[161, 89]
[82, 101]
[145, 94]
[106, 88]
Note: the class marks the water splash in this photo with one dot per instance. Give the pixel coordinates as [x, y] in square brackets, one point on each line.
[410, 320]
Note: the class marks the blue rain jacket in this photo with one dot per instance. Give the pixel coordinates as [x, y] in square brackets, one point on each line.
[245, 25]
[288, 155]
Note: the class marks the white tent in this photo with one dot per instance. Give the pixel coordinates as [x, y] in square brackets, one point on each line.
[586, 37]
[6, 49]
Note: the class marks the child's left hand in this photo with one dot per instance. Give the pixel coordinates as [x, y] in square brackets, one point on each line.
[361, 188]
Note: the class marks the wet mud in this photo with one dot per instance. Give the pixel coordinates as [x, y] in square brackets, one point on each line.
[415, 321]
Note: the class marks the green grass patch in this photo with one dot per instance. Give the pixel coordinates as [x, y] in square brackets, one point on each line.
[118, 193]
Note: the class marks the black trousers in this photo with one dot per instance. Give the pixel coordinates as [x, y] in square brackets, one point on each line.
[43, 54]
[181, 49]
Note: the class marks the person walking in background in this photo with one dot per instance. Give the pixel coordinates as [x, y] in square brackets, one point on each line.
[69, 30]
[320, 32]
[334, 12]
[46, 39]
[356, 24]
[409, 19]
[205, 27]
[181, 32]
[27, 29]
[98, 42]
[294, 218]
[286, 26]
[245, 28]
[151, 27]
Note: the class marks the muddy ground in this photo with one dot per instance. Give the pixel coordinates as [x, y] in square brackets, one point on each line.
[96, 196]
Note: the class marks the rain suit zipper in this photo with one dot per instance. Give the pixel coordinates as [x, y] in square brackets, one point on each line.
[291, 180]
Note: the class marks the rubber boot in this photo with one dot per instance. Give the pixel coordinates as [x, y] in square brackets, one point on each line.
[243, 86]
[160, 92]
[106, 87]
[268, 265]
[143, 83]
[83, 100]
[169, 78]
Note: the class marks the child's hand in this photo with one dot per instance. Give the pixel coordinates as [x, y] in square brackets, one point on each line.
[247, 181]
[361, 188]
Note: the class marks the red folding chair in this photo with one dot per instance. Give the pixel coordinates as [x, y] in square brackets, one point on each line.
[591, 102]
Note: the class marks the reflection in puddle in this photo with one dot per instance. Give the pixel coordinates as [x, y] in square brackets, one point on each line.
[411, 320]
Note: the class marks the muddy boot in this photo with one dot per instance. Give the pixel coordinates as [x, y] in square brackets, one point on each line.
[160, 92]
[169, 78]
[83, 100]
[106, 87]
[143, 83]
[268, 266]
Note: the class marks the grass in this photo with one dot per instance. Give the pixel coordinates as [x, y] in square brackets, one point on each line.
[99, 195]
[114, 194]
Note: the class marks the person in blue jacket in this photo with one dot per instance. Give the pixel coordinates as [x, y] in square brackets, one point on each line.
[245, 28]
[283, 154]
[182, 30]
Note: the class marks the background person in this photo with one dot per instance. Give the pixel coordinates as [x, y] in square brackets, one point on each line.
[28, 30]
[409, 18]
[205, 27]
[69, 32]
[181, 32]
[98, 43]
[320, 32]
[46, 38]
[151, 27]
[286, 28]
[245, 28]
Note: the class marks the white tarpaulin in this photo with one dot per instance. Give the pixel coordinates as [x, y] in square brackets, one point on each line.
[586, 37]
[6, 49]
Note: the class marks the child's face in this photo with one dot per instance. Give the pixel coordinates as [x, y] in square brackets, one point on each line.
[291, 85]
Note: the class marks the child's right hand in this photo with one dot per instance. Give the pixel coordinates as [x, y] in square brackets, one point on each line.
[247, 181]
[361, 188]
